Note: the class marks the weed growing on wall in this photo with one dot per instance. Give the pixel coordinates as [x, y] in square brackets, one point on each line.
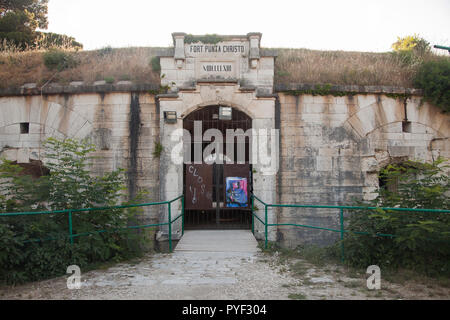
[208, 38]
[158, 149]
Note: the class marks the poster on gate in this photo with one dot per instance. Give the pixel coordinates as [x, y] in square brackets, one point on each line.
[236, 192]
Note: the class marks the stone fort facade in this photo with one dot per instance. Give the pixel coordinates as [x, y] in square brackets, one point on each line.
[329, 148]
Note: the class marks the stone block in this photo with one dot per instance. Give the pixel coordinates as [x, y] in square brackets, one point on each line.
[400, 151]
[324, 163]
[369, 164]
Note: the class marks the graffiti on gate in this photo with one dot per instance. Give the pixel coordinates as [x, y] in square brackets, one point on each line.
[198, 187]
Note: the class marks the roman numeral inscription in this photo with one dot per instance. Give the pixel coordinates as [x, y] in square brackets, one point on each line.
[217, 68]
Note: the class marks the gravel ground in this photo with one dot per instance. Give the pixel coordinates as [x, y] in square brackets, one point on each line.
[225, 275]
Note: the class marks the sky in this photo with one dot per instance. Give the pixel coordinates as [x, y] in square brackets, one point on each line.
[348, 25]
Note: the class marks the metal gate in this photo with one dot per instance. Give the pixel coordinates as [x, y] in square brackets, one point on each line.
[218, 194]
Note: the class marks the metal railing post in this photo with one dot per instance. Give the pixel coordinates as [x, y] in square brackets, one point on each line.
[342, 234]
[182, 217]
[170, 229]
[70, 228]
[253, 218]
[265, 226]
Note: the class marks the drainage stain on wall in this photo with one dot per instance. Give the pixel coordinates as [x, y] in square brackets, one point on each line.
[134, 131]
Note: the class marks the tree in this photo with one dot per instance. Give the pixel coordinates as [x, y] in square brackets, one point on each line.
[19, 20]
[433, 77]
[411, 50]
[420, 240]
[37, 9]
[34, 247]
[50, 40]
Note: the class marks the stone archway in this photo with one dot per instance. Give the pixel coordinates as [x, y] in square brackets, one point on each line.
[207, 203]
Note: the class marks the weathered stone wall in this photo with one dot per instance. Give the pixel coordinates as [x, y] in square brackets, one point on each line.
[123, 126]
[332, 149]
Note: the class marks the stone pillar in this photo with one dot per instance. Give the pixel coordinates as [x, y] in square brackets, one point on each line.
[254, 56]
[170, 170]
[178, 42]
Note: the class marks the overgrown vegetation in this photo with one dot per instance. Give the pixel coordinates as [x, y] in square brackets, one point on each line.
[208, 38]
[434, 78]
[410, 64]
[422, 240]
[58, 60]
[34, 247]
[341, 68]
[157, 150]
[430, 72]
[19, 20]
[18, 68]
[155, 64]
[411, 51]
[319, 256]
[319, 90]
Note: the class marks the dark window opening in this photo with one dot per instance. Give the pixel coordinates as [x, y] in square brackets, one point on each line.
[390, 185]
[406, 126]
[24, 127]
[35, 169]
[391, 182]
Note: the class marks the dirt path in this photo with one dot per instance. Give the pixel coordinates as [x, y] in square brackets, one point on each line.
[207, 275]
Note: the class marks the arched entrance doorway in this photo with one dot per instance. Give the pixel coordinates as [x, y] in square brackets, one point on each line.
[217, 192]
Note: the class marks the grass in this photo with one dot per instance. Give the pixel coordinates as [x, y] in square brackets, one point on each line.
[299, 268]
[297, 296]
[352, 284]
[133, 63]
[341, 68]
[140, 64]
[404, 276]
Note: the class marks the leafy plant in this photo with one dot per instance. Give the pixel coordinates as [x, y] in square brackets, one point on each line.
[109, 80]
[433, 78]
[411, 50]
[158, 149]
[58, 59]
[34, 247]
[105, 51]
[420, 240]
[156, 64]
[208, 38]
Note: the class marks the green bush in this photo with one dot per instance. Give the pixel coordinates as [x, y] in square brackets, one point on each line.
[55, 59]
[34, 247]
[156, 64]
[433, 78]
[109, 80]
[105, 51]
[208, 38]
[411, 51]
[422, 240]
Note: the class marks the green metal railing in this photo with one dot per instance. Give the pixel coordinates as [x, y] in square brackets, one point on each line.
[71, 235]
[442, 47]
[341, 230]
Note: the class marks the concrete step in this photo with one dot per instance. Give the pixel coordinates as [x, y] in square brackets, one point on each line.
[218, 241]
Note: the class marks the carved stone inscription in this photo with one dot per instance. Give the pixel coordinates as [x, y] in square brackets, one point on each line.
[226, 69]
